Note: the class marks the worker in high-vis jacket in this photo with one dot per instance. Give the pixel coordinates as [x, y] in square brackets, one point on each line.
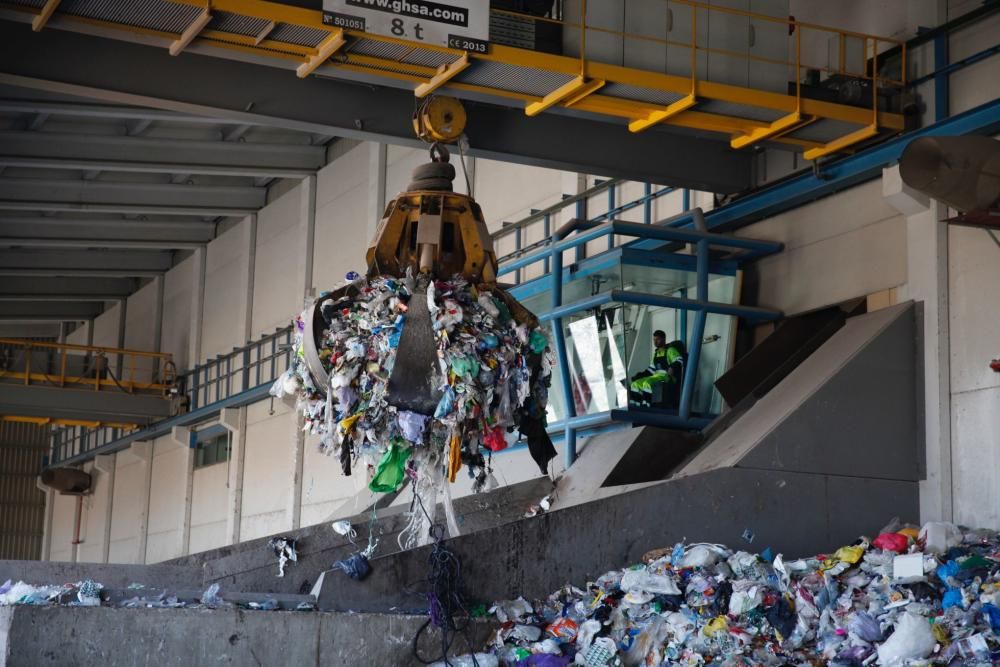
[667, 369]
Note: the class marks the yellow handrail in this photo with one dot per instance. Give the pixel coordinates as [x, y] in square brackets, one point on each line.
[93, 379]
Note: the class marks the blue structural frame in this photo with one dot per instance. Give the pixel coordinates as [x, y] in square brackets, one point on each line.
[783, 196]
[700, 305]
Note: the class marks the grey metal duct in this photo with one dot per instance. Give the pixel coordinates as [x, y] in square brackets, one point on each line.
[962, 172]
[67, 480]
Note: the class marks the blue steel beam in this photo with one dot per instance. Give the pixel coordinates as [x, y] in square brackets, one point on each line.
[164, 427]
[697, 332]
[556, 258]
[752, 313]
[754, 247]
[835, 176]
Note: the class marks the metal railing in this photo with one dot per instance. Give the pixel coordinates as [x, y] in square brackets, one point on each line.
[547, 216]
[257, 363]
[857, 57]
[64, 365]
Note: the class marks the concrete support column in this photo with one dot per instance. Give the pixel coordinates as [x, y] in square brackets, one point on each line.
[235, 421]
[50, 499]
[156, 372]
[197, 307]
[927, 283]
[251, 270]
[308, 193]
[105, 464]
[185, 438]
[122, 310]
[144, 452]
[294, 507]
[377, 162]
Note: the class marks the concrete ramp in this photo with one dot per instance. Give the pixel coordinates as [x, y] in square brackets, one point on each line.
[849, 409]
[832, 452]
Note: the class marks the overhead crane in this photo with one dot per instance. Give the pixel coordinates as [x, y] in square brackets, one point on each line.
[543, 82]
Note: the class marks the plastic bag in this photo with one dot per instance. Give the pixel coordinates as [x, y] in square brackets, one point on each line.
[210, 598]
[640, 580]
[494, 440]
[389, 473]
[356, 567]
[892, 542]
[911, 639]
[412, 425]
[865, 627]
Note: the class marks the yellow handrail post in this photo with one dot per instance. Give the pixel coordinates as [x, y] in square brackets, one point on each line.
[798, 69]
[62, 368]
[694, 49]
[842, 58]
[875, 81]
[27, 364]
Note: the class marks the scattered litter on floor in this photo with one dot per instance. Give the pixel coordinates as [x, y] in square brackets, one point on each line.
[493, 368]
[905, 598]
[93, 594]
[285, 548]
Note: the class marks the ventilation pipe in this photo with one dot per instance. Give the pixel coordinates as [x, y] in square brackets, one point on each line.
[962, 172]
[66, 480]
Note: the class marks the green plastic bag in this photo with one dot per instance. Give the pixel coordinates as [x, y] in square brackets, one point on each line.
[538, 341]
[389, 473]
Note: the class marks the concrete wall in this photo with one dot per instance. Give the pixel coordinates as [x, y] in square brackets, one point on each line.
[344, 223]
[167, 481]
[226, 276]
[267, 475]
[95, 517]
[973, 270]
[208, 508]
[126, 516]
[63, 514]
[277, 283]
[845, 246]
[177, 316]
[106, 328]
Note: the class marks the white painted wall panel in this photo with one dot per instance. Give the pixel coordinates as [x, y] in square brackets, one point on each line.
[837, 248]
[106, 328]
[128, 503]
[177, 285]
[324, 486]
[344, 224]
[226, 270]
[974, 271]
[976, 457]
[95, 504]
[267, 475]
[278, 289]
[63, 516]
[140, 332]
[166, 500]
[208, 507]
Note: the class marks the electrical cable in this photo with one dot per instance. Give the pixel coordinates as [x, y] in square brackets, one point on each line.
[445, 598]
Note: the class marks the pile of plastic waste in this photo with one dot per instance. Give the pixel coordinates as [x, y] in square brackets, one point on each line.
[492, 375]
[908, 597]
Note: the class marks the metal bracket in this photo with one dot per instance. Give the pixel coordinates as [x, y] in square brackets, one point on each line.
[657, 117]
